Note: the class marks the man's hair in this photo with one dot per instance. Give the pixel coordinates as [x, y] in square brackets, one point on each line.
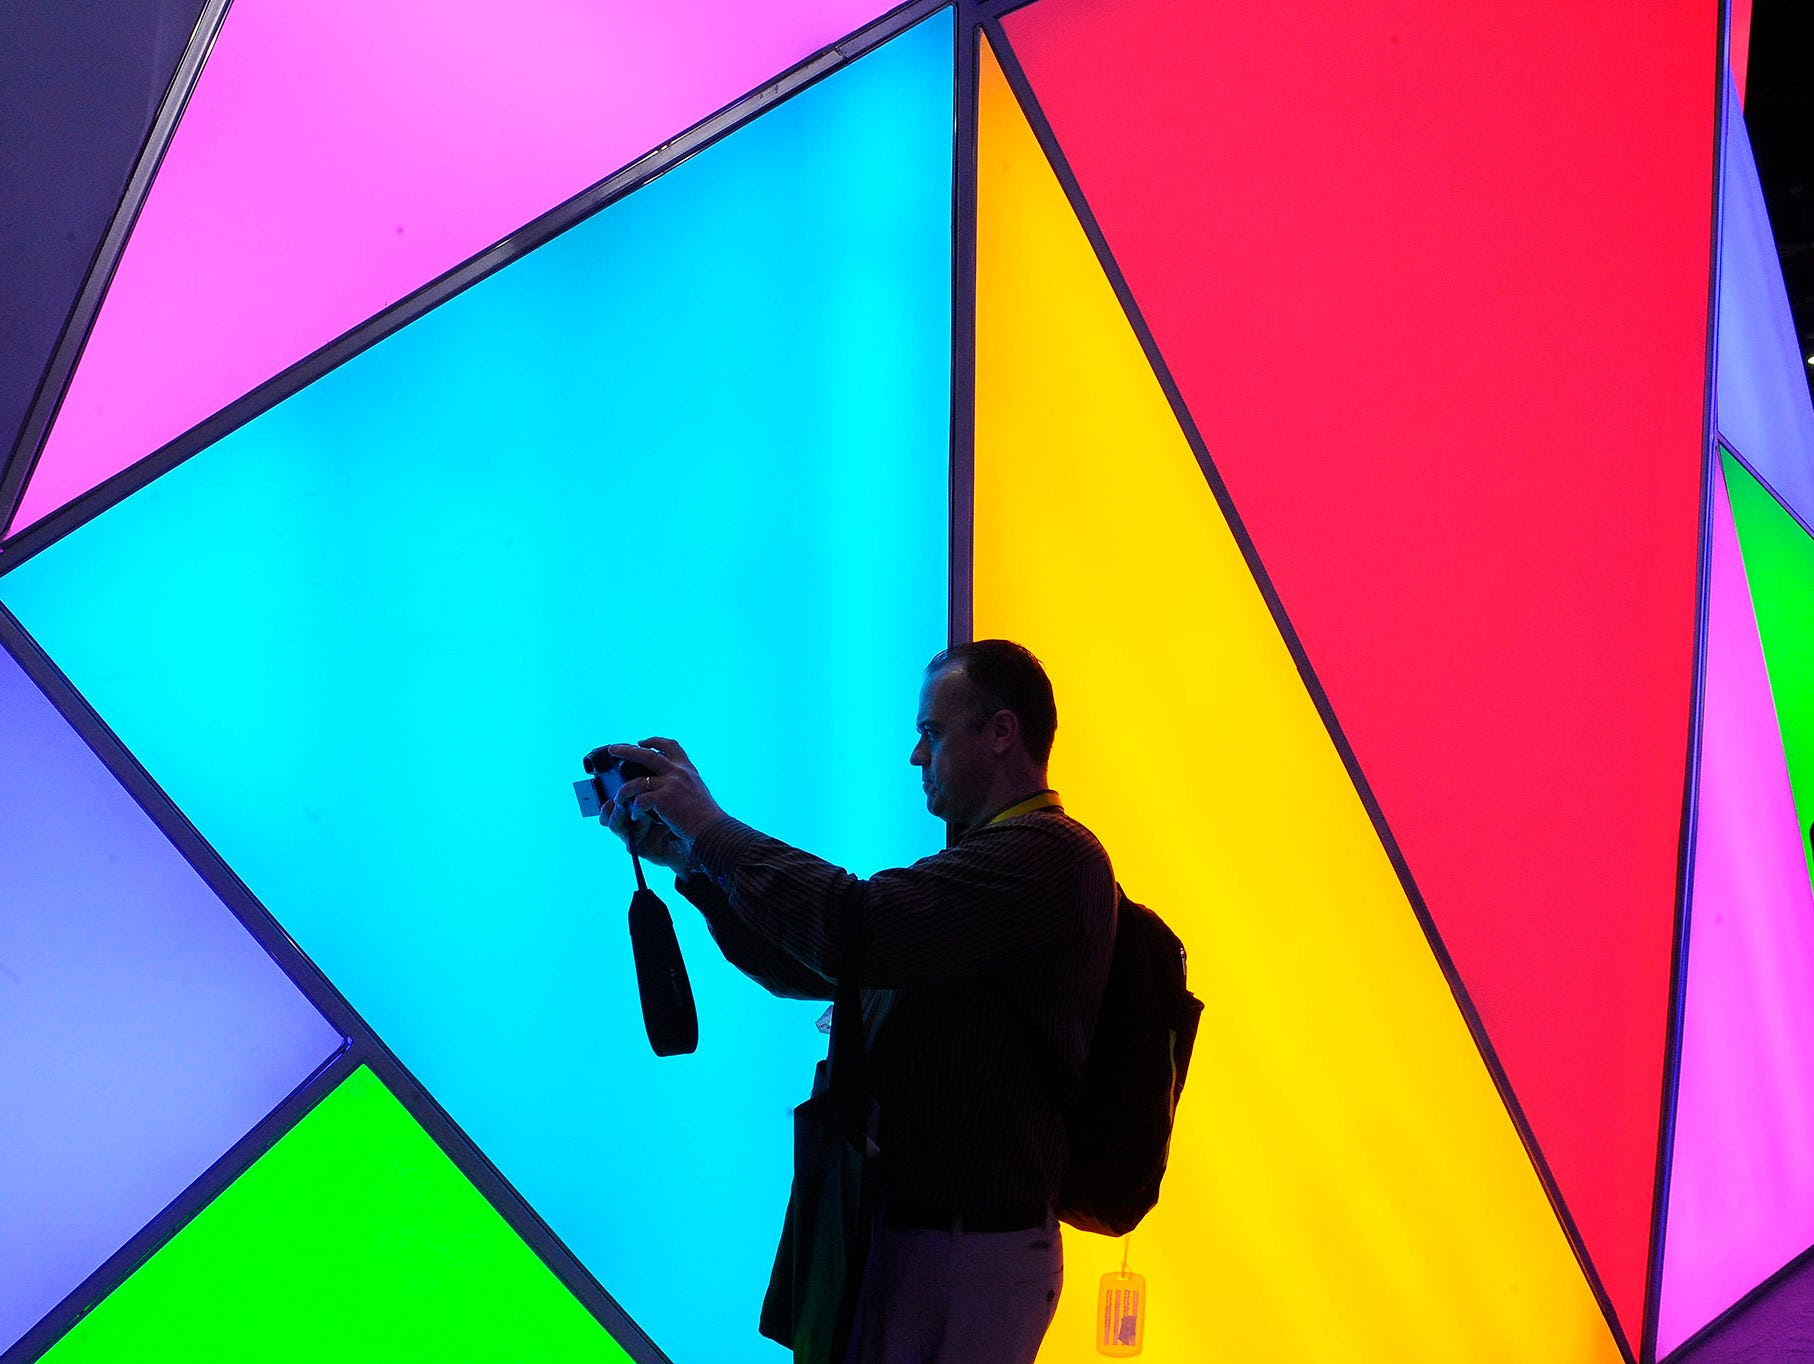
[1007, 677]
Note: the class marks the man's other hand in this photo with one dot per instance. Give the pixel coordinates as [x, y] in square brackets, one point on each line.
[653, 841]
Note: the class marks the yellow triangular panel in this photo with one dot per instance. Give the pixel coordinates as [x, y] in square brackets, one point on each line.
[1345, 1182]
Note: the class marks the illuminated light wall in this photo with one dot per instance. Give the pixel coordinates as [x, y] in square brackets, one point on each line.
[1741, 1192]
[1341, 1149]
[1304, 446]
[1352, 239]
[337, 155]
[145, 1031]
[1761, 389]
[356, 1193]
[681, 471]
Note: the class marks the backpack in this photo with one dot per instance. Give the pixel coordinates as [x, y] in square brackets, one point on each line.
[1120, 1124]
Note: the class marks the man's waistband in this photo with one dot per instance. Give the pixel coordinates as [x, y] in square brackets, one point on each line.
[1002, 1217]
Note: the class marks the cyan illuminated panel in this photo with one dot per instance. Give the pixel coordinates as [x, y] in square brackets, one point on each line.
[354, 1239]
[682, 471]
[142, 1030]
[1741, 1188]
[1762, 391]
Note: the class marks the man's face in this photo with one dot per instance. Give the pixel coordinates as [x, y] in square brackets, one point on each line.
[955, 752]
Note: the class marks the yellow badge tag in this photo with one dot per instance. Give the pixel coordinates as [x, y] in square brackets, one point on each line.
[1121, 1314]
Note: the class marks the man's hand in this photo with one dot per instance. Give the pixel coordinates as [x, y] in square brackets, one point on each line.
[674, 792]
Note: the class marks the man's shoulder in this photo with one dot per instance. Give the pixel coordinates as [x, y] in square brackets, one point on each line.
[1058, 831]
[1055, 818]
[1079, 833]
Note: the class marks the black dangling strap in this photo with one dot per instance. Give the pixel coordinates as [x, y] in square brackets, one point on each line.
[668, 1012]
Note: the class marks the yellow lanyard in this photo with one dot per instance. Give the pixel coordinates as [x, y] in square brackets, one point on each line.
[1045, 800]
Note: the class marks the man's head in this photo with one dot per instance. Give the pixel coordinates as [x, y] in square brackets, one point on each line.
[986, 725]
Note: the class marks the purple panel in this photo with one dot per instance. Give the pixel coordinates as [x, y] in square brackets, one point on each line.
[1779, 1325]
[1741, 1192]
[1761, 394]
[144, 1030]
[79, 85]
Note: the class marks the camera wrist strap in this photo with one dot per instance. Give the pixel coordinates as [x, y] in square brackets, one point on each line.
[635, 861]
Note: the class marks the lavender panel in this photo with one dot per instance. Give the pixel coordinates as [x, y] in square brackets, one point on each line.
[145, 1031]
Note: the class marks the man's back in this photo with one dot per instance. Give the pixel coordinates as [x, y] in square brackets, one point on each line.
[971, 1067]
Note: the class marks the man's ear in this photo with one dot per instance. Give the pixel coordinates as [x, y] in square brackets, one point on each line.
[1004, 731]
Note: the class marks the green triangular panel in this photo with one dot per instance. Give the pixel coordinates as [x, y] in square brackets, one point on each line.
[353, 1239]
[1779, 562]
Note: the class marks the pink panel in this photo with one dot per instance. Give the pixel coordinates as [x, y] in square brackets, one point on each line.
[1741, 1194]
[338, 154]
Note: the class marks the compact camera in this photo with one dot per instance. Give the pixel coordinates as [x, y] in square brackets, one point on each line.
[668, 1014]
[608, 777]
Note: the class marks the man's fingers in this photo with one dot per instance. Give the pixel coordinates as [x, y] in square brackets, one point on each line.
[668, 748]
[653, 759]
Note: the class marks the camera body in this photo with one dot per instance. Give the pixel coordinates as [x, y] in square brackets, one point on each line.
[608, 775]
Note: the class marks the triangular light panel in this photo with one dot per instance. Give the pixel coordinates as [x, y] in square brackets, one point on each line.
[1779, 566]
[1762, 389]
[145, 1030]
[353, 1239]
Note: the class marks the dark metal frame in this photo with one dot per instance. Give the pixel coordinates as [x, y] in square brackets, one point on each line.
[16, 467]
[1684, 889]
[963, 327]
[363, 1046]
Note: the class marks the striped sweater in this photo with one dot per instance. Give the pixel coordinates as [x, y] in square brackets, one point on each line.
[983, 969]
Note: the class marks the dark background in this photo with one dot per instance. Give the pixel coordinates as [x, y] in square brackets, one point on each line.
[1779, 111]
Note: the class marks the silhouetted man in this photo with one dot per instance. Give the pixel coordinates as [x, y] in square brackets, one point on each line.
[983, 970]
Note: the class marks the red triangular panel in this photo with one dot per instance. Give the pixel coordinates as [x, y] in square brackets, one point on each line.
[1434, 286]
